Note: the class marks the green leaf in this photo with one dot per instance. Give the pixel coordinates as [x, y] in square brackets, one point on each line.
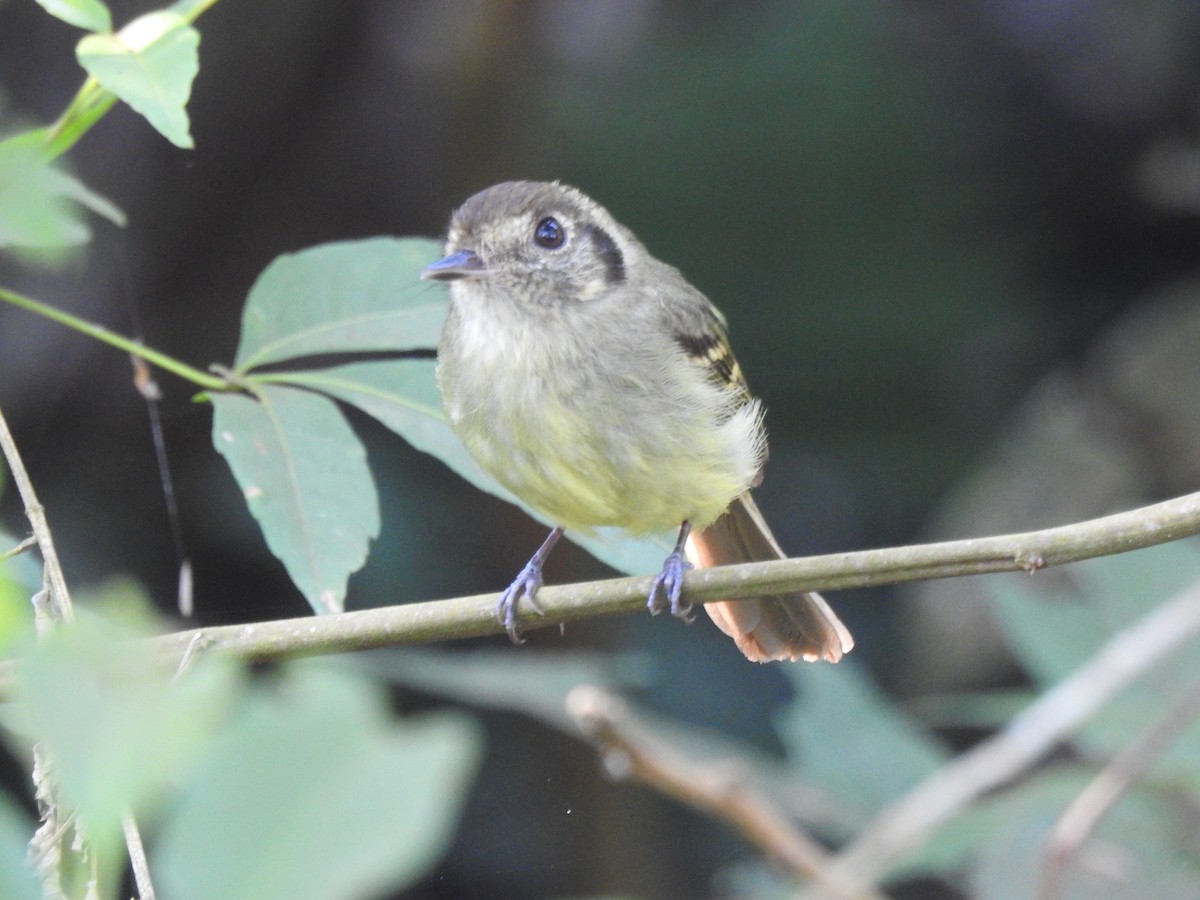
[1125, 587]
[1051, 636]
[304, 475]
[1152, 837]
[403, 395]
[91, 15]
[315, 794]
[115, 724]
[1004, 834]
[844, 736]
[150, 64]
[38, 202]
[536, 684]
[350, 297]
[16, 880]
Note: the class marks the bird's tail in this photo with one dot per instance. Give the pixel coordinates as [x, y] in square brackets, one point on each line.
[790, 626]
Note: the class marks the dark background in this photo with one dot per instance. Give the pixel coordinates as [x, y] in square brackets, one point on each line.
[911, 214]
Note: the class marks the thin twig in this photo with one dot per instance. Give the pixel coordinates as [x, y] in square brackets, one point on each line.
[1093, 803]
[725, 792]
[137, 857]
[911, 820]
[60, 598]
[28, 544]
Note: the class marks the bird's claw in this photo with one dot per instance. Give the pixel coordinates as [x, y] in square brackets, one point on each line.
[524, 585]
[666, 591]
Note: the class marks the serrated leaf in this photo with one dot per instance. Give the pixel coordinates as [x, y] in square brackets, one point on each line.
[402, 394]
[304, 475]
[150, 64]
[845, 737]
[37, 201]
[316, 794]
[348, 297]
[89, 14]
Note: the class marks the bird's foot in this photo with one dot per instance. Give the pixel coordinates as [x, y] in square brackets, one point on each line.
[667, 589]
[524, 585]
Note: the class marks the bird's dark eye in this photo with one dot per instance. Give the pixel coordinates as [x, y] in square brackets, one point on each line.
[549, 233]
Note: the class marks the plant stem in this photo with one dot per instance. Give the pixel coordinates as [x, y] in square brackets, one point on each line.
[164, 362]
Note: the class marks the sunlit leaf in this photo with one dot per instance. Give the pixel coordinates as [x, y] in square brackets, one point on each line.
[90, 14]
[304, 475]
[350, 297]
[315, 793]
[150, 64]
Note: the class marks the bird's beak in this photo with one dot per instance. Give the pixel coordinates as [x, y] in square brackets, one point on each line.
[463, 264]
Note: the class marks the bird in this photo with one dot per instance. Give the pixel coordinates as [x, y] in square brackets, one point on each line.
[596, 384]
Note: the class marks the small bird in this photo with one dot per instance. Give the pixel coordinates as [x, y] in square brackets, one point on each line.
[595, 383]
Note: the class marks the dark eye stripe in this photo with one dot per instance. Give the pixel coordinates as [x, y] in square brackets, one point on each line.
[609, 254]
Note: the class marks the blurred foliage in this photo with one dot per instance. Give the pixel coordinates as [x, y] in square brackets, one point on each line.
[908, 213]
[233, 781]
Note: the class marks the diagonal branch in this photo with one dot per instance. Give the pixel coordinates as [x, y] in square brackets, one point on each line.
[912, 819]
[725, 790]
[56, 583]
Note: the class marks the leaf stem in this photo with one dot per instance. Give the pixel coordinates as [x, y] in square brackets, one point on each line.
[100, 333]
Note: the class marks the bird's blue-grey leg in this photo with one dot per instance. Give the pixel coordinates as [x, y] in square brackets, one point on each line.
[525, 585]
[668, 585]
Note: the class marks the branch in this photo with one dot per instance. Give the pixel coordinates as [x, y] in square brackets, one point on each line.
[724, 791]
[1095, 801]
[59, 596]
[911, 820]
[439, 620]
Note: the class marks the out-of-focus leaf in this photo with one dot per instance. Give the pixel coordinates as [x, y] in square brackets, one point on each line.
[315, 794]
[1052, 635]
[38, 202]
[20, 579]
[844, 736]
[304, 475]
[979, 709]
[88, 14]
[533, 683]
[16, 880]
[402, 394]
[1137, 851]
[349, 297]
[114, 723]
[1001, 837]
[150, 64]
[1124, 587]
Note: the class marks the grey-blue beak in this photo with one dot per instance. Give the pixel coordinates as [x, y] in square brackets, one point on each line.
[463, 264]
